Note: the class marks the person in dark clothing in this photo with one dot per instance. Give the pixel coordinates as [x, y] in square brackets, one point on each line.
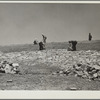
[44, 38]
[73, 45]
[35, 42]
[41, 46]
[70, 46]
[90, 37]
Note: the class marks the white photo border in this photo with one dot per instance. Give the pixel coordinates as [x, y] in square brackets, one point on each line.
[21, 94]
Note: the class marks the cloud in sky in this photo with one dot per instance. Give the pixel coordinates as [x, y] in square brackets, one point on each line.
[22, 23]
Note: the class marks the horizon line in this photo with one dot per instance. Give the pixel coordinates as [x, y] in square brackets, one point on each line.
[47, 42]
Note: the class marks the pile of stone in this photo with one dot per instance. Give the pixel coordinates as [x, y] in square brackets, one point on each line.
[82, 70]
[86, 71]
[7, 67]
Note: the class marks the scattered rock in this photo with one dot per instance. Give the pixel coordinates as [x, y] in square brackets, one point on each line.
[84, 64]
[73, 88]
[54, 73]
[10, 80]
[98, 73]
[95, 75]
[79, 73]
[96, 66]
[60, 72]
[84, 76]
[7, 67]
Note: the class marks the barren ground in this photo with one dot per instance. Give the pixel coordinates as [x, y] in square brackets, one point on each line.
[39, 76]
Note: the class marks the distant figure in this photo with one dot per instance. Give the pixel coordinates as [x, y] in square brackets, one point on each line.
[44, 38]
[35, 42]
[90, 37]
[41, 46]
[72, 45]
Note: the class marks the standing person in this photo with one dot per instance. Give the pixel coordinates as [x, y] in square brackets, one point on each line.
[70, 46]
[90, 37]
[44, 38]
[74, 45]
[41, 46]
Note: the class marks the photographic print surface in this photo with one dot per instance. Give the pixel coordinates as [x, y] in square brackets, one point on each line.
[49, 46]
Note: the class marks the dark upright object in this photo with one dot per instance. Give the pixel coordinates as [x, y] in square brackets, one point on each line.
[41, 46]
[44, 38]
[73, 45]
[35, 42]
[90, 37]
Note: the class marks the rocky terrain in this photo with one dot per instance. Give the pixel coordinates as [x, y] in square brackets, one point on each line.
[52, 69]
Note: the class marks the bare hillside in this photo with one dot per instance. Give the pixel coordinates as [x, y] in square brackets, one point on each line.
[54, 68]
[82, 45]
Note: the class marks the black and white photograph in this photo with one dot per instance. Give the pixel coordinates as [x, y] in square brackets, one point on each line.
[50, 46]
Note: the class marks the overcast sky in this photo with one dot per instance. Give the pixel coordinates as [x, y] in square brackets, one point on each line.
[22, 23]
